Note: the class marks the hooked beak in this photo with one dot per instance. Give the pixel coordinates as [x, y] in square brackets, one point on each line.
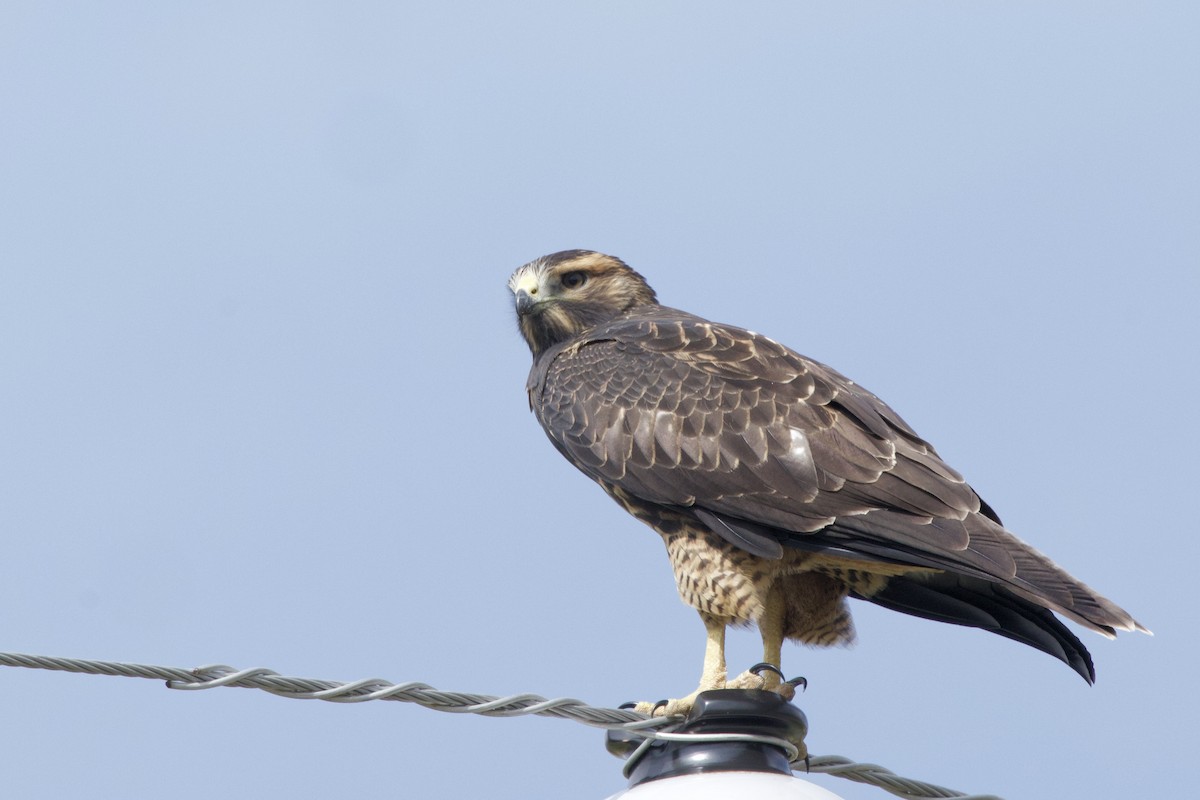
[525, 302]
[526, 292]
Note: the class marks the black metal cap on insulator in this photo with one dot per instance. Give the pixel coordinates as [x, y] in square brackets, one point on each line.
[723, 711]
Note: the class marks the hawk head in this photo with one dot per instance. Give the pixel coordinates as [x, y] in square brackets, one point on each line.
[562, 294]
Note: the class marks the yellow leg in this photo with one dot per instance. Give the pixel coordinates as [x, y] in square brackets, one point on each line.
[713, 674]
[770, 625]
[771, 628]
[711, 677]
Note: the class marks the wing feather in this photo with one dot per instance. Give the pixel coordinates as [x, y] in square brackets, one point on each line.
[761, 442]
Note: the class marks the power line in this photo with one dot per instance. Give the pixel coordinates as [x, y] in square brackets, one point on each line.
[214, 675]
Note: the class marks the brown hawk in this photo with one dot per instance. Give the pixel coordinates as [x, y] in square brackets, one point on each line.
[779, 486]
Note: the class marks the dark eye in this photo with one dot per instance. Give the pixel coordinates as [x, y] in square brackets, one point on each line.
[573, 280]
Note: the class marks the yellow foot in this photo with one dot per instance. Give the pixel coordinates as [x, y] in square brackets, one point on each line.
[671, 708]
[764, 680]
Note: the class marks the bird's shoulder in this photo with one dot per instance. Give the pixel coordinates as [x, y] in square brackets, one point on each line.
[677, 410]
[658, 349]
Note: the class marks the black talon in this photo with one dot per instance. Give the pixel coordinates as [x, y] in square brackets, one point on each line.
[628, 705]
[801, 682]
[763, 666]
[658, 705]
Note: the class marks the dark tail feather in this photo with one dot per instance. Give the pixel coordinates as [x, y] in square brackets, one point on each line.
[962, 600]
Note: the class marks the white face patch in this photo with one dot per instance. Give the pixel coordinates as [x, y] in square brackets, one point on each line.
[526, 278]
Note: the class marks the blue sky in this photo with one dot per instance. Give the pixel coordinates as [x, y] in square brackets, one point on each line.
[262, 392]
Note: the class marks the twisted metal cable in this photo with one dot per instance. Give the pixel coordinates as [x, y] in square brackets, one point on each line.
[652, 728]
[885, 779]
[214, 675]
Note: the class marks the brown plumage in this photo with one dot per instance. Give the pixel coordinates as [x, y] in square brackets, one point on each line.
[779, 486]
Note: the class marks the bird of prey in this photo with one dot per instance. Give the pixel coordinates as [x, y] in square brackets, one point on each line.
[779, 486]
